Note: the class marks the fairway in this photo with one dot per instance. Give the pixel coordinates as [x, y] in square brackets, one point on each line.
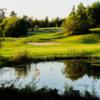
[51, 44]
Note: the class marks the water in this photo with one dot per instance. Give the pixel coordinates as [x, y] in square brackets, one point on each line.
[79, 74]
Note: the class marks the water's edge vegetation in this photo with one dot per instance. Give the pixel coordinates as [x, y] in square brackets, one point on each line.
[24, 59]
[44, 94]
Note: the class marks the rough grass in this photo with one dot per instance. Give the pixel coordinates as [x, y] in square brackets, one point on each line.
[81, 45]
[44, 93]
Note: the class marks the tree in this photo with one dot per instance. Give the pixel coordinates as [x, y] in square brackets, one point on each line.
[22, 26]
[2, 16]
[85, 20]
[79, 21]
[8, 26]
[13, 14]
[46, 22]
[96, 12]
[14, 26]
[2, 13]
[31, 24]
[71, 25]
[57, 20]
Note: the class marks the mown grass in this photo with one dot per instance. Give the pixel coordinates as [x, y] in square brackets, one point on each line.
[73, 46]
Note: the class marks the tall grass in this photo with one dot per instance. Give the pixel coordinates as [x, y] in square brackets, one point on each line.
[44, 93]
[26, 57]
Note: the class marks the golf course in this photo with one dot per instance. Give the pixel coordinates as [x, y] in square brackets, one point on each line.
[51, 42]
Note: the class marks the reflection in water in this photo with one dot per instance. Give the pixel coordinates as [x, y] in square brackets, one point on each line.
[75, 69]
[36, 72]
[22, 71]
[80, 74]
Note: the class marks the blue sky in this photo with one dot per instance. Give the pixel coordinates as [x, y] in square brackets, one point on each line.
[41, 8]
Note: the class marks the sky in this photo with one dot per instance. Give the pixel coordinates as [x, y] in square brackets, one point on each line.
[41, 8]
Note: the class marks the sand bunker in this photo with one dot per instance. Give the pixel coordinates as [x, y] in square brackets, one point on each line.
[42, 43]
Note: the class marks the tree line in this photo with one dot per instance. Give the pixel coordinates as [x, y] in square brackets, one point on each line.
[79, 21]
[15, 26]
[82, 18]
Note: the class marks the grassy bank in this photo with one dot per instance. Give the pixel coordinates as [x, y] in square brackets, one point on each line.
[61, 47]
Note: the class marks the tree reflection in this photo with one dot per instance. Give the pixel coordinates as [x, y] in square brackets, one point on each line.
[22, 71]
[36, 72]
[75, 69]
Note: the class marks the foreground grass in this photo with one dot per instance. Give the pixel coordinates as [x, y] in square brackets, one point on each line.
[81, 45]
[44, 93]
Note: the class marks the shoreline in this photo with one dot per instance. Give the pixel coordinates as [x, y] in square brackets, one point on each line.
[24, 60]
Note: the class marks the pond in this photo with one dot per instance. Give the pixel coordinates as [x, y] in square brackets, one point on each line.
[82, 75]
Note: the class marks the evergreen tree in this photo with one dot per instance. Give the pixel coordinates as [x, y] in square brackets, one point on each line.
[13, 14]
[96, 12]
[79, 21]
[46, 22]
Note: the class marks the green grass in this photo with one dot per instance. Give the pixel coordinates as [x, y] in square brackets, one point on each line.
[95, 29]
[81, 45]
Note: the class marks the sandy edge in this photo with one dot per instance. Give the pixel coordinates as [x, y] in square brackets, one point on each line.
[42, 43]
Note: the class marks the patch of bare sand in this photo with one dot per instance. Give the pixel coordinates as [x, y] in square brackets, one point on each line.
[43, 43]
